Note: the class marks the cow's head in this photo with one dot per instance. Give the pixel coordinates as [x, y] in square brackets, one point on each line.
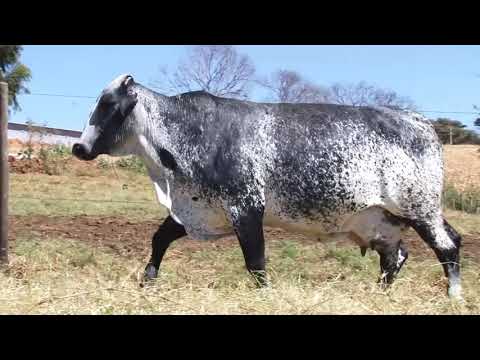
[110, 127]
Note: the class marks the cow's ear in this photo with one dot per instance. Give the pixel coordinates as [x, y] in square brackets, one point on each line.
[127, 104]
[127, 82]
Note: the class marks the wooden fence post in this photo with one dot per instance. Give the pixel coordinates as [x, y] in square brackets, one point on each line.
[3, 173]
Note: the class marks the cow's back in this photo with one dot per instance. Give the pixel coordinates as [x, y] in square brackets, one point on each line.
[332, 161]
[309, 163]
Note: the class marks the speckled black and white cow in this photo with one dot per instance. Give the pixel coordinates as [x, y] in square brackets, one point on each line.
[223, 166]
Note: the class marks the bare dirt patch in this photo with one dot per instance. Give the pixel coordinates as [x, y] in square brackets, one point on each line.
[71, 165]
[25, 166]
[129, 238]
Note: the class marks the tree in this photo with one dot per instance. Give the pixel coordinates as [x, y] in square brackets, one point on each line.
[364, 94]
[288, 86]
[217, 69]
[14, 73]
[477, 120]
[459, 134]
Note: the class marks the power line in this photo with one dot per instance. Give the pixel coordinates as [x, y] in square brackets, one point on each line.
[94, 97]
[63, 95]
[449, 112]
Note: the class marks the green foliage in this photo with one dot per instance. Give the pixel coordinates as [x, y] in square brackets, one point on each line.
[54, 159]
[348, 257]
[27, 151]
[460, 135]
[14, 73]
[467, 201]
[289, 250]
[61, 150]
[130, 163]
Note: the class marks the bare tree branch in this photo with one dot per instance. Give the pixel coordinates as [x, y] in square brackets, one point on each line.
[217, 69]
[363, 94]
[288, 86]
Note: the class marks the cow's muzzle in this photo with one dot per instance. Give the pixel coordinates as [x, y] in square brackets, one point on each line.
[81, 152]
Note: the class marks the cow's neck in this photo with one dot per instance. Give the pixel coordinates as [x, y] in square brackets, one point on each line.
[156, 134]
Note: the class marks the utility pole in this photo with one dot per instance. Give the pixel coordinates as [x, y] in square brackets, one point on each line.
[3, 173]
[451, 136]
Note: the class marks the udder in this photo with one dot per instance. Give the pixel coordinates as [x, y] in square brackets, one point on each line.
[202, 219]
[371, 224]
[375, 224]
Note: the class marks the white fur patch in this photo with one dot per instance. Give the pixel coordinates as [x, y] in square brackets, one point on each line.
[400, 259]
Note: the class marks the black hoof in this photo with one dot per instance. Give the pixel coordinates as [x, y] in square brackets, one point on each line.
[150, 273]
[260, 278]
[386, 280]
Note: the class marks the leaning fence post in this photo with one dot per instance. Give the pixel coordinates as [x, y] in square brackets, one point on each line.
[3, 173]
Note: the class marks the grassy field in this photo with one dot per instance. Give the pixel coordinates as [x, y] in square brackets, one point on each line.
[55, 272]
[62, 276]
[129, 195]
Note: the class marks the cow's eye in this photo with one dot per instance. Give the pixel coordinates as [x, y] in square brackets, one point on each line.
[107, 106]
[107, 99]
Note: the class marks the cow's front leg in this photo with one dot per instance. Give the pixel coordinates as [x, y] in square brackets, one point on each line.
[168, 232]
[248, 226]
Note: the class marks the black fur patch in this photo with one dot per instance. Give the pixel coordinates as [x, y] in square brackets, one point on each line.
[167, 159]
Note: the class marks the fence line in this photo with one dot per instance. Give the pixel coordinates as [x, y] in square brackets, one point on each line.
[463, 203]
[82, 200]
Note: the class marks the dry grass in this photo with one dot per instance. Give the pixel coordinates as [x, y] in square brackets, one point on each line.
[65, 276]
[106, 186]
[61, 276]
[462, 166]
[466, 224]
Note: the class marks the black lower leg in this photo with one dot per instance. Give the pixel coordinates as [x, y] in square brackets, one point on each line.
[168, 232]
[450, 260]
[447, 251]
[248, 226]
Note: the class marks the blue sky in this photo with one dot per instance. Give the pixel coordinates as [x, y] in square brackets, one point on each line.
[440, 78]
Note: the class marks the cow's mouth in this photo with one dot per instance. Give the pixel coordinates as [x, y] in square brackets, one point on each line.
[80, 151]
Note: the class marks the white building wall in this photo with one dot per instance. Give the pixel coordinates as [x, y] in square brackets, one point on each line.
[48, 138]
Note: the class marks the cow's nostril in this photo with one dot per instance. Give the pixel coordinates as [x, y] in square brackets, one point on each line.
[79, 150]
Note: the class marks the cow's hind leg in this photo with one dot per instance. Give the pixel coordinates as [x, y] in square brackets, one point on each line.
[248, 226]
[445, 242]
[168, 232]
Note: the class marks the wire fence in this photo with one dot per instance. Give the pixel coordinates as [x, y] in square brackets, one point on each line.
[95, 97]
[468, 202]
[80, 200]
[465, 202]
[462, 201]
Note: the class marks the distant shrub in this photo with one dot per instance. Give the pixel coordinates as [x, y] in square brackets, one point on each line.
[54, 159]
[132, 163]
[103, 163]
[35, 134]
[61, 150]
[26, 152]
